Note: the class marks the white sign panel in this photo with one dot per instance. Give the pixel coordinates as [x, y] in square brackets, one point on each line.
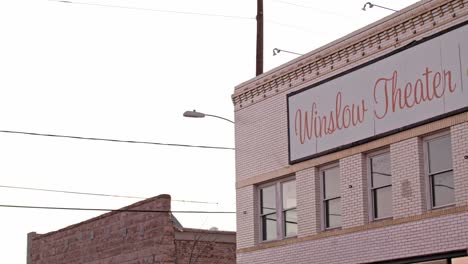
[415, 85]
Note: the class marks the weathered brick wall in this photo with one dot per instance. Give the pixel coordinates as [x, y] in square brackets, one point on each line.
[205, 247]
[131, 238]
[116, 237]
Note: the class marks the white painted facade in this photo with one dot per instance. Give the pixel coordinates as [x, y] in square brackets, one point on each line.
[422, 212]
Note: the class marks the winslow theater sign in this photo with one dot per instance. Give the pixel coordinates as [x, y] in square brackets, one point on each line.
[411, 86]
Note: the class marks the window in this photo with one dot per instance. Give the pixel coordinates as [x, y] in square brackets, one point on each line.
[440, 171]
[331, 197]
[268, 212]
[278, 210]
[380, 185]
[289, 208]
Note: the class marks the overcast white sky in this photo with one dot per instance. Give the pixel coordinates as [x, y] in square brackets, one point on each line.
[94, 71]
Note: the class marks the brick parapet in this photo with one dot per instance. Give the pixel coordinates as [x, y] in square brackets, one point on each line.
[145, 235]
[115, 237]
[163, 204]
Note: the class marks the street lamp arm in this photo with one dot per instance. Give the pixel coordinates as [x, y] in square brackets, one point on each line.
[220, 117]
[195, 114]
[371, 5]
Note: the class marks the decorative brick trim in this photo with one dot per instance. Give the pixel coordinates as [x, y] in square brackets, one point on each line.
[385, 141]
[370, 226]
[375, 40]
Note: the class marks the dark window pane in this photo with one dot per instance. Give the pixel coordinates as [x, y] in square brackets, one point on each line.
[290, 225]
[289, 194]
[268, 200]
[383, 202]
[331, 182]
[440, 154]
[443, 189]
[269, 227]
[381, 174]
[333, 213]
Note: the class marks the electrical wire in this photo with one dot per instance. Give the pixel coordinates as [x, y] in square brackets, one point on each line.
[314, 8]
[155, 10]
[305, 29]
[112, 210]
[114, 140]
[184, 13]
[94, 194]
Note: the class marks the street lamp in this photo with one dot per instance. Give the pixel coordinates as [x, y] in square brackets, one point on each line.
[371, 5]
[277, 51]
[195, 114]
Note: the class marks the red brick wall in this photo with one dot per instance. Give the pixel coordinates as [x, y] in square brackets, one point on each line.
[205, 247]
[131, 238]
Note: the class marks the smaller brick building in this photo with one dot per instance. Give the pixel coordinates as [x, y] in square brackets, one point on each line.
[131, 238]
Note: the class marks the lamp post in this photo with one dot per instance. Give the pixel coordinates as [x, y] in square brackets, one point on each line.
[195, 114]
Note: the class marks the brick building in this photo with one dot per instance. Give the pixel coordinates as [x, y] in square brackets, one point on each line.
[357, 152]
[132, 238]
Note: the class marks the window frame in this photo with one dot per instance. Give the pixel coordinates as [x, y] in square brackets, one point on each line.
[371, 189]
[283, 210]
[280, 218]
[323, 200]
[428, 177]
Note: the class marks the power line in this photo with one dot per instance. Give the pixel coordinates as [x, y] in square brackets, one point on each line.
[112, 210]
[94, 194]
[113, 140]
[155, 10]
[185, 13]
[313, 7]
[305, 29]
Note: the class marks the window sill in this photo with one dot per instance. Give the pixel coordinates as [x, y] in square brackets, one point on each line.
[265, 242]
[381, 219]
[442, 207]
[331, 229]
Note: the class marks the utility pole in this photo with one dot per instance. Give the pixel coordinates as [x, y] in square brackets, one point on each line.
[259, 37]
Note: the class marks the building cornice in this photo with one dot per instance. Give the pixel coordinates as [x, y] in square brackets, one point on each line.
[375, 40]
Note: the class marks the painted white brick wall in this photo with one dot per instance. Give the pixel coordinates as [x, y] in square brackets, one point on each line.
[247, 224]
[459, 137]
[308, 201]
[441, 234]
[261, 147]
[408, 181]
[261, 137]
[354, 202]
